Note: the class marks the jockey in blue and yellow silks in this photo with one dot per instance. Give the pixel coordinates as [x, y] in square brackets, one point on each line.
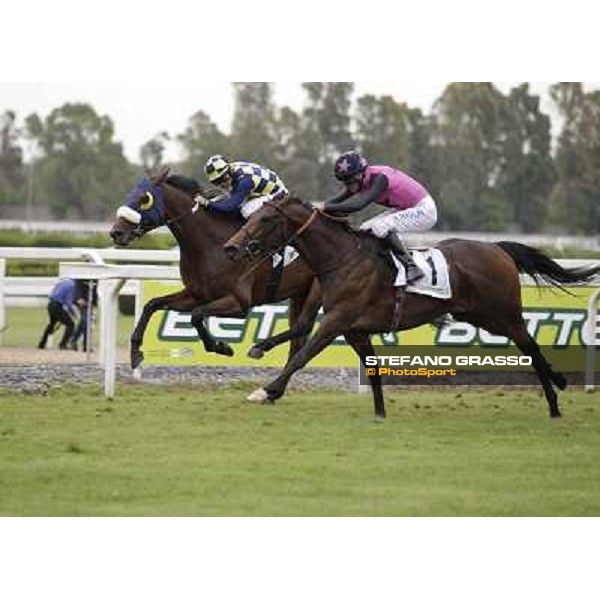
[248, 185]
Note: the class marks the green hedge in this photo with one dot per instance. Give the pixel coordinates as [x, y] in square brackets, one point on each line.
[31, 268]
[49, 268]
[15, 237]
[570, 253]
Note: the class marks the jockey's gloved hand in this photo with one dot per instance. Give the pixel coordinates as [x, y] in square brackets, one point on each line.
[201, 200]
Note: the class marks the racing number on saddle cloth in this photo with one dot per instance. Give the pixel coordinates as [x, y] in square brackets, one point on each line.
[435, 283]
[433, 271]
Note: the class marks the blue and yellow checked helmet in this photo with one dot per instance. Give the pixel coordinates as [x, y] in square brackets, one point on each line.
[349, 165]
[216, 168]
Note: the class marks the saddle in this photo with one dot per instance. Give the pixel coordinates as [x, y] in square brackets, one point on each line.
[436, 280]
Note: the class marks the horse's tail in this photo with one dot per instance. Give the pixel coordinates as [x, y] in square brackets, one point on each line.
[541, 268]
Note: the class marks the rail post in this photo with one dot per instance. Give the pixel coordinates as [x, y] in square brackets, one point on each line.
[111, 308]
[139, 307]
[592, 342]
[2, 306]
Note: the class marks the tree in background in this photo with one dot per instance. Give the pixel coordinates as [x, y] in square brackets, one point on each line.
[486, 156]
[469, 133]
[253, 129]
[12, 170]
[382, 130]
[422, 162]
[200, 140]
[527, 172]
[82, 170]
[304, 145]
[575, 199]
[152, 152]
[296, 146]
[327, 120]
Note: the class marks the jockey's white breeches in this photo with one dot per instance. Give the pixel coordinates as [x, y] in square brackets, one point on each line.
[421, 217]
[249, 207]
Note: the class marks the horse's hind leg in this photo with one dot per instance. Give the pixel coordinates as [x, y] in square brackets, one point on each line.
[559, 380]
[529, 347]
[182, 301]
[514, 328]
[361, 344]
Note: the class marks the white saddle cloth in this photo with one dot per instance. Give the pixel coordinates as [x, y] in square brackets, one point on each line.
[436, 282]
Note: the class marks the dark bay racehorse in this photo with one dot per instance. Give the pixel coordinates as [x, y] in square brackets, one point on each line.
[214, 285]
[359, 297]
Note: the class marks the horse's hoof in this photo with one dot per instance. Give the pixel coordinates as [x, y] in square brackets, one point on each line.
[137, 358]
[561, 381]
[256, 352]
[258, 396]
[223, 349]
[556, 415]
[379, 418]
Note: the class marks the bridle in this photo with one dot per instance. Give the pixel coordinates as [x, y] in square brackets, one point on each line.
[253, 248]
[141, 229]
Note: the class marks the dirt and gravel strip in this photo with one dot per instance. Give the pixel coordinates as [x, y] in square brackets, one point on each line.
[33, 371]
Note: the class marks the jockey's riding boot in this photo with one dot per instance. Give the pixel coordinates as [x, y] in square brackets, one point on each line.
[413, 273]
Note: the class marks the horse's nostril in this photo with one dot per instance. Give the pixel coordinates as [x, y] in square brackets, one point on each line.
[254, 247]
[118, 237]
[231, 250]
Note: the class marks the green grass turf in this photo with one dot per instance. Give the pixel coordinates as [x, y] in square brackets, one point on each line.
[204, 451]
[26, 325]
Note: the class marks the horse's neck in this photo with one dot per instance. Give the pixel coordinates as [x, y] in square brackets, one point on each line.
[199, 232]
[326, 247]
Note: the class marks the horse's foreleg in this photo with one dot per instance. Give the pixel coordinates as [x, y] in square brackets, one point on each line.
[227, 306]
[304, 324]
[327, 332]
[182, 301]
[303, 313]
[361, 344]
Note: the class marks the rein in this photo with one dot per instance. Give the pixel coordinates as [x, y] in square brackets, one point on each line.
[315, 212]
[182, 215]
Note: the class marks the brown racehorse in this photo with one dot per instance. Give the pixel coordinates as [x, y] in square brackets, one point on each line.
[214, 285]
[359, 297]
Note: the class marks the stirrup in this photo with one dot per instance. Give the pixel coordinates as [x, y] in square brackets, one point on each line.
[413, 273]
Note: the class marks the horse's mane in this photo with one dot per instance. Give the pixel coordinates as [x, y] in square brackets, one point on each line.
[340, 222]
[294, 198]
[184, 184]
[190, 186]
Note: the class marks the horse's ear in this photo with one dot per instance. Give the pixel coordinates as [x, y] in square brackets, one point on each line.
[161, 175]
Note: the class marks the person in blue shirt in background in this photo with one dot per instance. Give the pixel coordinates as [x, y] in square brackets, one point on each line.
[82, 294]
[61, 309]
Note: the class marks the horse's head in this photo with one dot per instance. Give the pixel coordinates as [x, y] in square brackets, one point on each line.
[144, 210]
[269, 229]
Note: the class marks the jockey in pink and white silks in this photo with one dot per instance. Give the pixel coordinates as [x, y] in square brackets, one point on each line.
[412, 209]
